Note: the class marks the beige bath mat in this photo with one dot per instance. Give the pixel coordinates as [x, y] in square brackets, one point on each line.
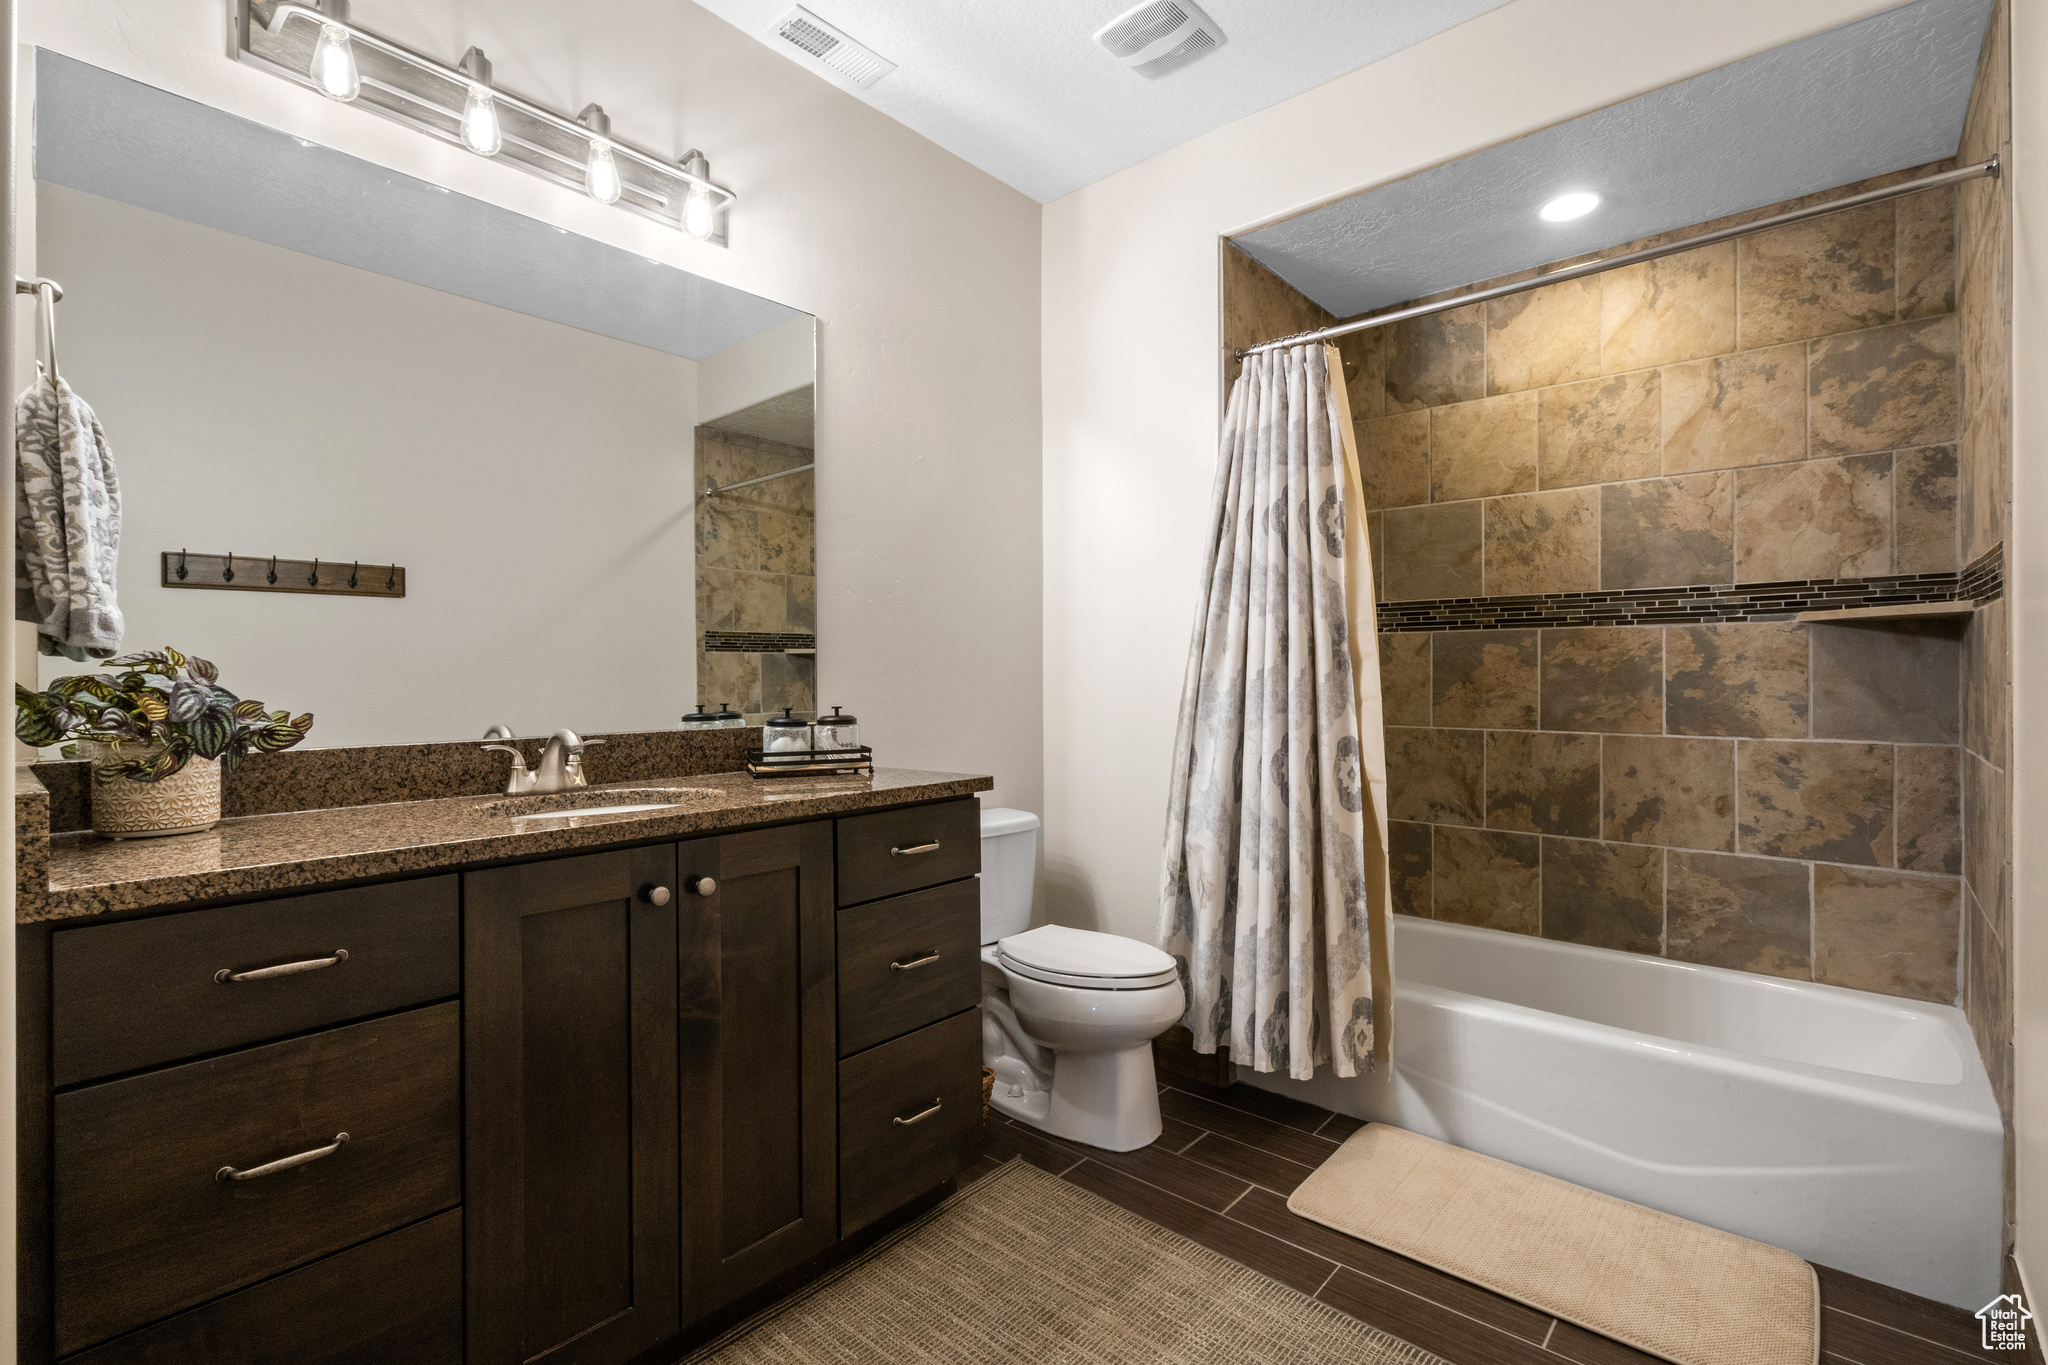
[1688, 1293]
[1022, 1267]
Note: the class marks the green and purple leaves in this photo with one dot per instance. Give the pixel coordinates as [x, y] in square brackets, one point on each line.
[162, 700]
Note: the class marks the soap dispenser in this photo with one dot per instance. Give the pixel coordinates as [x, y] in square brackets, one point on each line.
[785, 734]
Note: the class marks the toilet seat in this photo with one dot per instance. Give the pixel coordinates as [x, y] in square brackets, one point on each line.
[1078, 958]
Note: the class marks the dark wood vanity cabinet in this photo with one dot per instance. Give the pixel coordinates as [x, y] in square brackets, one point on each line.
[590, 1101]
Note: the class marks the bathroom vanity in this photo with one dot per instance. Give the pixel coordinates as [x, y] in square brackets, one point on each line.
[561, 1088]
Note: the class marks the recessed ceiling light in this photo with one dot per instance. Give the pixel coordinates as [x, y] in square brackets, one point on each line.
[1566, 207]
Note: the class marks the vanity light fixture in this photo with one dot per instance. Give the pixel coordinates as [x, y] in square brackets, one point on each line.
[481, 131]
[1566, 207]
[316, 44]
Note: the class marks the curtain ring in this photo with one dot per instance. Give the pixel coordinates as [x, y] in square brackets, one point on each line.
[271, 577]
[313, 578]
[352, 572]
[227, 575]
[181, 566]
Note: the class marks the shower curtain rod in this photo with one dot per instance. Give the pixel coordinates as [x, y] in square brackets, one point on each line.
[716, 488]
[1576, 272]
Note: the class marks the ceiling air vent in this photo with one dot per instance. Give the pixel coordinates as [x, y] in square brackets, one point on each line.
[1160, 37]
[818, 44]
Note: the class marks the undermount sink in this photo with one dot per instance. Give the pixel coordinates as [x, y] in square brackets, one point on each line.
[615, 801]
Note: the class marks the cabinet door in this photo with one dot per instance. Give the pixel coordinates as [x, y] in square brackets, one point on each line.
[569, 1014]
[756, 1055]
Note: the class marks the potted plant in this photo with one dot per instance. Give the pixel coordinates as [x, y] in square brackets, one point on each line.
[158, 736]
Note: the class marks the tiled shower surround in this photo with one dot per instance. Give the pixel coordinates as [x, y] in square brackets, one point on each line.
[756, 577]
[1746, 792]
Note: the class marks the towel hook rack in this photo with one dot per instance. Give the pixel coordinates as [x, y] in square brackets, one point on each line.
[183, 568]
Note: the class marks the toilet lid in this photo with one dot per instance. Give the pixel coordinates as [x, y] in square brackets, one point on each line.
[1077, 957]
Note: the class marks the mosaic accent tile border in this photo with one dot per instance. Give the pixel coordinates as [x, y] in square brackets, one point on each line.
[756, 641]
[1981, 581]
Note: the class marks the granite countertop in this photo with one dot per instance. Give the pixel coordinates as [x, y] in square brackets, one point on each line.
[82, 875]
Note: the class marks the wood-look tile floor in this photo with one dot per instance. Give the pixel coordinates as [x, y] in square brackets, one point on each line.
[1221, 1172]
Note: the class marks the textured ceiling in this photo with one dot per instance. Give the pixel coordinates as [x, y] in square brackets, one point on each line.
[1024, 92]
[1877, 95]
[788, 417]
[119, 139]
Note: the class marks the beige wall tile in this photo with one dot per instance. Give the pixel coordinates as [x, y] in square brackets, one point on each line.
[1484, 448]
[1483, 678]
[1604, 895]
[1930, 787]
[1435, 776]
[1890, 932]
[1393, 457]
[1816, 519]
[1365, 372]
[1987, 998]
[1987, 674]
[1404, 678]
[1825, 275]
[1376, 536]
[1897, 681]
[1543, 782]
[1599, 431]
[1883, 389]
[1751, 914]
[1661, 533]
[1924, 506]
[1543, 542]
[1437, 359]
[1679, 308]
[1662, 790]
[1607, 679]
[1409, 862]
[1744, 678]
[1546, 336]
[1987, 837]
[1740, 409]
[1927, 253]
[1490, 879]
[801, 602]
[1433, 551]
[733, 678]
[1831, 802]
[731, 600]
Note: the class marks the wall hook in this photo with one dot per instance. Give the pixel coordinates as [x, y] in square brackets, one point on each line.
[352, 572]
[271, 577]
[391, 580]
[313, 578]
[181, 564]
[227, 575]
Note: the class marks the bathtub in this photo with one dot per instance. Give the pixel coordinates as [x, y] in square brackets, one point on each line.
[1856, 1130]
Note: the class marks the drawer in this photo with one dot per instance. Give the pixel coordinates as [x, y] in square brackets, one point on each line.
[144, 1225]
[147, 992]
[893, 851]
[395, 1299]
[908, 961]
[909, 1118]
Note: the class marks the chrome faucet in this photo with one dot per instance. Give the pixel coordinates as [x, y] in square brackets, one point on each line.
[520, 781]
[561, 763]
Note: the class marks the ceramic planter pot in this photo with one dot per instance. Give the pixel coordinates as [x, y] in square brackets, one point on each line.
[186, 802]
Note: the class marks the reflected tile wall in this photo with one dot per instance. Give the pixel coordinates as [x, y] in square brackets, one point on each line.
[756, 572]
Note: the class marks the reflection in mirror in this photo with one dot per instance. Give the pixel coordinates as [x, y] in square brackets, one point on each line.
[297, 353]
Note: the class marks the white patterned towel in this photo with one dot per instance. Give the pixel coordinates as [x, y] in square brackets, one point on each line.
[67, 523]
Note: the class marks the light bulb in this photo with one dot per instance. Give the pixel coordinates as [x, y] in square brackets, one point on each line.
[1566, 207]
[601, 173]
[699, 214]
[334, 65]
[480, 130]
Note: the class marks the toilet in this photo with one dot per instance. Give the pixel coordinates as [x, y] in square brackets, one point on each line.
[1067, 1016]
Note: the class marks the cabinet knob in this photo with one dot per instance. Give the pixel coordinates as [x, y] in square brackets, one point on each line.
[654, 895]
[705, 886]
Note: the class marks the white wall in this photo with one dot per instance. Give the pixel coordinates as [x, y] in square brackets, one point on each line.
[759, 368]
[1132, 365]
[2029, 593]
[922, 271]
[534, 480]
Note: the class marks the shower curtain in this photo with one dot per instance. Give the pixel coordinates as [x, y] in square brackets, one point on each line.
[1273, 899]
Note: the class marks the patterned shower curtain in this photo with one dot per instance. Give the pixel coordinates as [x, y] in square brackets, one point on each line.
[1274, 893]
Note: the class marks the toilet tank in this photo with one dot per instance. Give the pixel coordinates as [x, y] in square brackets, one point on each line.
[1009, 867]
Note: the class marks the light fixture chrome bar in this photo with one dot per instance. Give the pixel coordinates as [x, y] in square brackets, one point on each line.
[1579, 272]
[253, 17]
[716, 488]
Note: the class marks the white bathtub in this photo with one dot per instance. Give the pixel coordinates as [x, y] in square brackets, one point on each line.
[1857, 1130]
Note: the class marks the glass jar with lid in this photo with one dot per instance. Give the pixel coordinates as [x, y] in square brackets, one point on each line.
[727, 718]
[700, 719]
[786, 734]
[838, 731]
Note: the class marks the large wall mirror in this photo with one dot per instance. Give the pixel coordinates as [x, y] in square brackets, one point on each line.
[593, 468]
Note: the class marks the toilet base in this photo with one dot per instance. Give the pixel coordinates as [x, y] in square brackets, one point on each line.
[1101, 1099]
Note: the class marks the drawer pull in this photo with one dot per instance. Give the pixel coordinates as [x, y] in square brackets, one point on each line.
[228, 1173]
[311, 964]
[925, 961]
[932, 847]
[919, 1118]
